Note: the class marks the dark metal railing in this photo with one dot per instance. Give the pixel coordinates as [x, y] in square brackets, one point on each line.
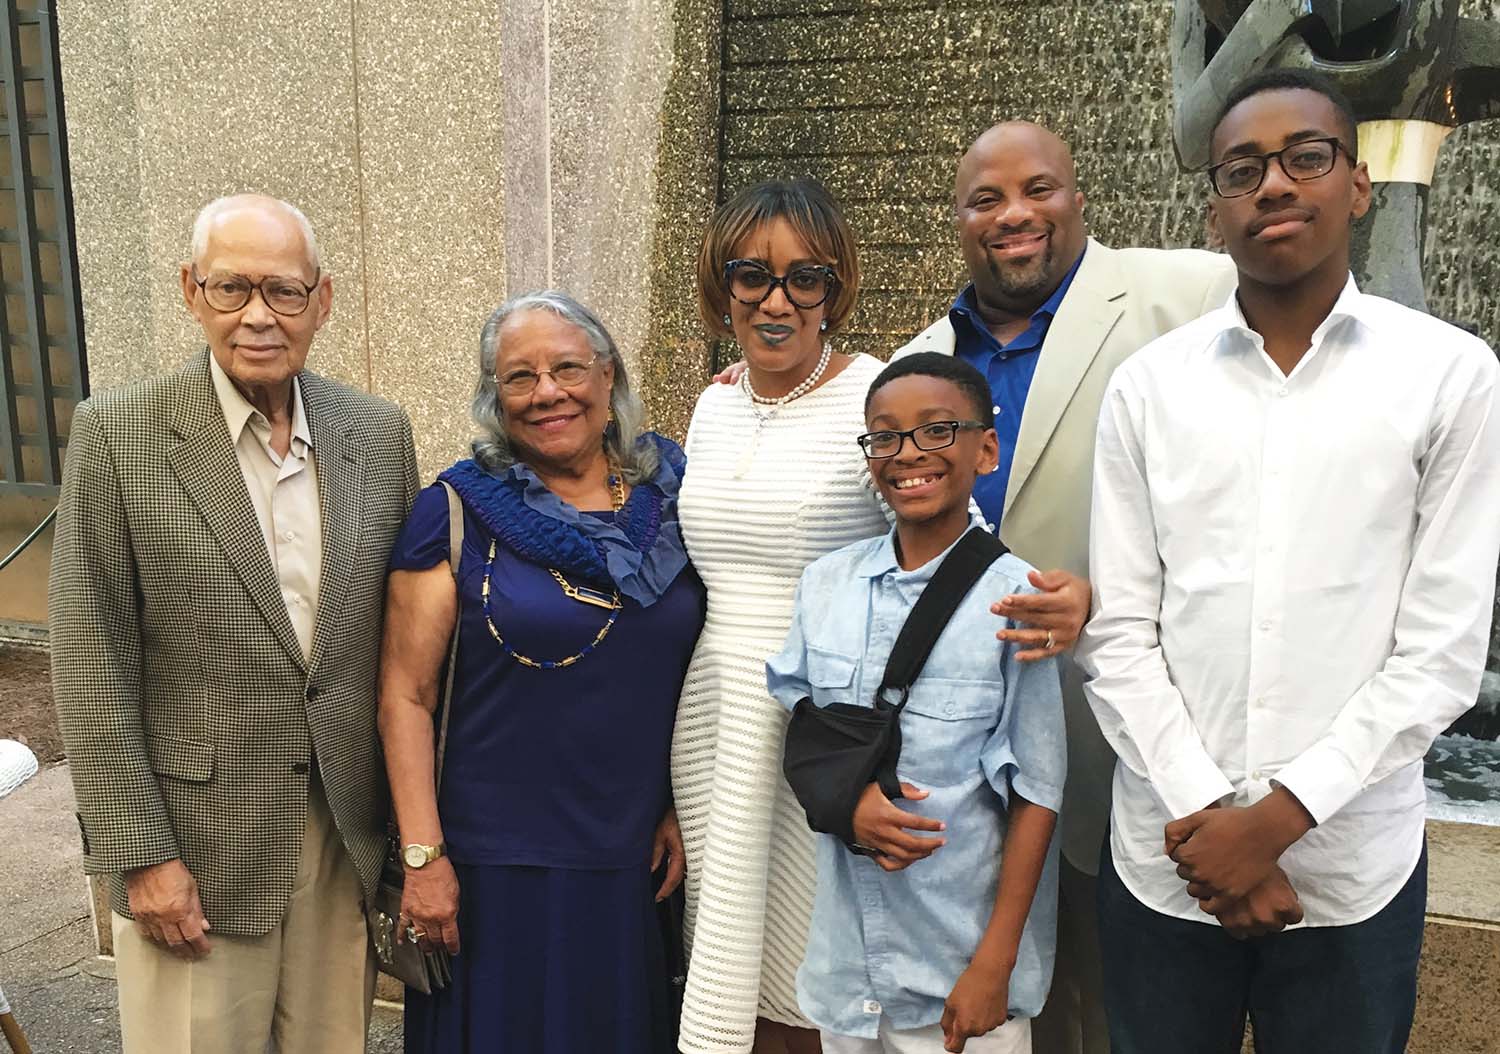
[43, 369]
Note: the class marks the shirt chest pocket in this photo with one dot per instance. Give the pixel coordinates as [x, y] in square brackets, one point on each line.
[831, 674]
[944, 727]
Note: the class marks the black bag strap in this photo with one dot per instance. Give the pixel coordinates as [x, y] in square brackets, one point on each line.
[455, 555]
[964, 565]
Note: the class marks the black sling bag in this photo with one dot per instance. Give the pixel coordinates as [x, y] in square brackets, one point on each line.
[834, 752]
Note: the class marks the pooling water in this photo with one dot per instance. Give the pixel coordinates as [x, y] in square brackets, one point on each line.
[1463, 780]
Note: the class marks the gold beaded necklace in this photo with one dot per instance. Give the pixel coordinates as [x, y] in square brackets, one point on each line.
[582, 594]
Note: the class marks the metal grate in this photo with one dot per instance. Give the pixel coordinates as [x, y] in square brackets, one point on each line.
[43, 371]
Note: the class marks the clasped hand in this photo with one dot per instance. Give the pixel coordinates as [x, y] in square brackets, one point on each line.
[1228, 858]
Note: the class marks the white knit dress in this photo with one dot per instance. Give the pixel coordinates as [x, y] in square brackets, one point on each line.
[758, 504]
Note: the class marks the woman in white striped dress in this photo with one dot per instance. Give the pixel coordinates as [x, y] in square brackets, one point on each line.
[774, 481]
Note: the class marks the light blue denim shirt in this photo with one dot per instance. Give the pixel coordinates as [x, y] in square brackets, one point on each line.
[977, 727]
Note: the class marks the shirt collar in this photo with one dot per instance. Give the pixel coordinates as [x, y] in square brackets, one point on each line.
[1351, 304]
[881, 560]
[966, 306]
[238, 412]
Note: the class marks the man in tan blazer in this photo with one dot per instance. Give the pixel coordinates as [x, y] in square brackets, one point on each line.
[215, 610]
[1047, 317]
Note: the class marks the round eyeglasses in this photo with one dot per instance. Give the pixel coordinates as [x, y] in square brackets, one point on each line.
[566, 374]
[226, 291]
[1301, 161]
[934, 435]
[751, 283]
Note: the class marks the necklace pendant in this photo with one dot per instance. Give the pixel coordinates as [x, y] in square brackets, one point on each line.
[747, 451]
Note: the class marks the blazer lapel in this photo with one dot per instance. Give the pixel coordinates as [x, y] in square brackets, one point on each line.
[1088, 312]
[341, 481]
[209, 470]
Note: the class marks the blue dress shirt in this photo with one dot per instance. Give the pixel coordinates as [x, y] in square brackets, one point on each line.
[1009, 368]
[978, 725]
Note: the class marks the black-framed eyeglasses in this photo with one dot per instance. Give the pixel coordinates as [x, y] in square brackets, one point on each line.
[934, 435]
[566, 374]
[751, 283]
[225, 291]
[1301, 161]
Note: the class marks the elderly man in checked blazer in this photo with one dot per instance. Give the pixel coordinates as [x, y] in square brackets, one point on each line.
[215, 607]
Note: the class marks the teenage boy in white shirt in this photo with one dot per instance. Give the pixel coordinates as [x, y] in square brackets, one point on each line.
[1293, 557]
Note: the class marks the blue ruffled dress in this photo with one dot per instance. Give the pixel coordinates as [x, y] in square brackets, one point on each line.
[554, 780]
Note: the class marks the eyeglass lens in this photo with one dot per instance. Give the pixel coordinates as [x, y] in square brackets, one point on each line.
[564, 375]
[1300, 161]
[226, 291]
[933, 436]
[804, 286]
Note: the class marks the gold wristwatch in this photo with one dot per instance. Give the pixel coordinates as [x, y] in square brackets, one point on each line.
[417, 856]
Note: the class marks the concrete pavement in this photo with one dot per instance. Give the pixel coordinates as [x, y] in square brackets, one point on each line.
[62, 995]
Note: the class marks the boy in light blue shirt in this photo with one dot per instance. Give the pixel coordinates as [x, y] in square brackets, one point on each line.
[943, 941]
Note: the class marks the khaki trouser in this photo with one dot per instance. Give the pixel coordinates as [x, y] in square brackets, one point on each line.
[304, 988]
[1073, 1020]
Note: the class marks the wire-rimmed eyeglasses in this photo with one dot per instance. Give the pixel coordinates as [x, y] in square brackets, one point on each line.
[225, 291]
[934, 435]
[750, 282]
[566, 374]
[1304, 160]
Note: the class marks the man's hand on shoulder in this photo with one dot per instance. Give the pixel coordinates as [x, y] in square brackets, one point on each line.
[1054, 616]
[731, 374]
[164, 901]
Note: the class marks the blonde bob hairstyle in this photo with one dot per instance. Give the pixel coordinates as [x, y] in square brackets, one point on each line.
[811, 212]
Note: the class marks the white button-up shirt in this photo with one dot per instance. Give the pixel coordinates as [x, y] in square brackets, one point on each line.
[1293, 582]
[284, 491]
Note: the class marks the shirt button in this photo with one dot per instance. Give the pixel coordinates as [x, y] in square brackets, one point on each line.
[995, 410]
[1265, 624]
[1281, 391]
[1256, 775]
[948, 710]
[287, 536]
[871, 1006]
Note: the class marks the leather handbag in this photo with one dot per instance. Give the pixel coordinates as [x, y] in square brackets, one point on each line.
[424, 971]
[834, 752]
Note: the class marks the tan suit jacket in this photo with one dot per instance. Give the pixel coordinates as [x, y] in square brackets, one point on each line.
[191, 718]
[1120, 300]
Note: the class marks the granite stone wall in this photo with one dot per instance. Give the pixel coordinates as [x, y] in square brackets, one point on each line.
[878, 99]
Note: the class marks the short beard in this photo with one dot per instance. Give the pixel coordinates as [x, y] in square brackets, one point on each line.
[1024, 287]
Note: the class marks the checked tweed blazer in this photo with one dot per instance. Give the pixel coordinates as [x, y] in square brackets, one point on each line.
[190, 717]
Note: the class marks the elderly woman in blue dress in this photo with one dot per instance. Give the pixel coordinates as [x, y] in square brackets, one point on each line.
[577, 612]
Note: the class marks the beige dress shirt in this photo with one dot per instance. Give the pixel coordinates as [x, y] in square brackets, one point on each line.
[284, 492]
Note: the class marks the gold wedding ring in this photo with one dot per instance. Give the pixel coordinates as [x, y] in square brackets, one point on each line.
[1050, 644]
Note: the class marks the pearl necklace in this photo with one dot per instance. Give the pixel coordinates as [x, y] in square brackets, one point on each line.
[762, 416]
[801, 389]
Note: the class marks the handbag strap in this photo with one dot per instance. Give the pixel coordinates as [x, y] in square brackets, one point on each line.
[964, 565]
[455, 554]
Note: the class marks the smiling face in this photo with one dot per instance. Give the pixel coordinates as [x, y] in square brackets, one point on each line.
[927, 486]
[1019, 215]
[552, 426]
[1287, 232]
[259, 349]
[778, 337]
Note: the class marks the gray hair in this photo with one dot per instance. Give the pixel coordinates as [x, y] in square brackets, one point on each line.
[210, 212]
[623, 440]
